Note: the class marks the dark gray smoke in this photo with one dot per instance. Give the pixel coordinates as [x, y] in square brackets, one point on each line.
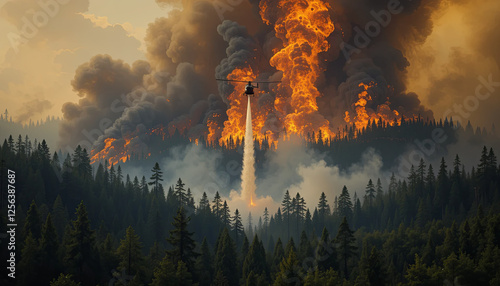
[239, 53]
[190, 47]
[100, 83]
[173, 90]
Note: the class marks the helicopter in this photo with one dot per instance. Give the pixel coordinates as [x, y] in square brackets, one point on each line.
[249, 87]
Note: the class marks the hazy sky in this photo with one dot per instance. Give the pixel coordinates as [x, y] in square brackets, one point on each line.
[35, 75]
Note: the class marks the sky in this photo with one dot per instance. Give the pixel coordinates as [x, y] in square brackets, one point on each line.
[35, 77]
[445, 68]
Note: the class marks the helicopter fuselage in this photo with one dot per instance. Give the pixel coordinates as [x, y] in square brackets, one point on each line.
[249, 89]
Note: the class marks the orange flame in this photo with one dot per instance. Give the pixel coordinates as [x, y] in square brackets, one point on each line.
[234, 126]
[303, 26]
[213, 129]
[364, 114]
[252, 204]
[114, 151]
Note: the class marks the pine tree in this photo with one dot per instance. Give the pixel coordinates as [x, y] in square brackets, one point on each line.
[290, 246]
[30, 261]
[11, 145]
[119, 175]
[220, 279]
[107, 251]
[299, 211]
[204, 265]
[81, 163]
[363, 265]
[412, 180]
[357, 217]
[32, 223]
[308, 222]
[183, 275]
[244, 250]
[49, 249]
[255, 260]
[451, 241]
[165, 274]
[370, 193]
[84, 167]
[379, 190]
[144, 185]
[20, 146]
[465, 239]
[136, 186]
[452, 268]
[482, 168]
[182, 242]
[251, 279]
[478, 231]
[237, 227]
[420, 177]
[278, 255]
[325, 252]
[345, 244]
[189, 201]
[417, 273]
[204, 206]
[287, 210]
[226, 259]
[156, 178]
[81, 253]
[27, 146]
[155, 223]
[456, 169]
[305, 248]
[130, 255]
[376, 269]
[290, 271]
[217, 206]
[180, 193]
[345, 204]
[226, 215]
[430, 180]
[393, 185]
[442, 190]
[266, 218]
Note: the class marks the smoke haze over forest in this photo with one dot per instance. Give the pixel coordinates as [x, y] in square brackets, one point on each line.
[162, 79]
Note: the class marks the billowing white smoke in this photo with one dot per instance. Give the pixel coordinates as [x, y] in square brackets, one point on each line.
[292, 167]
[248, 173]
[318, 177]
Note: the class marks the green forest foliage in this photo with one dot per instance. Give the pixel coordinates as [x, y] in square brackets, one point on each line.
[83, 227]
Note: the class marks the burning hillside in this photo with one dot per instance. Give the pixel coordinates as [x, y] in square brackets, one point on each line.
[296, 42]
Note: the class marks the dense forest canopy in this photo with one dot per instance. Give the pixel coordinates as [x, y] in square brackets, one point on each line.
[440, 223]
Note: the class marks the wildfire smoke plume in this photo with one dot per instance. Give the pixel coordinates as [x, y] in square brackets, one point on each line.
[297, 42]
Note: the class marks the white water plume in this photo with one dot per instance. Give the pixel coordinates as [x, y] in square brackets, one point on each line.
[248, 173]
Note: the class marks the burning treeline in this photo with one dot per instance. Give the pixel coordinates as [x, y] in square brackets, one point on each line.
[297, 42]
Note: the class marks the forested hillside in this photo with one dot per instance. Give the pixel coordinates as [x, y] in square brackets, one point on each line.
[442, 223]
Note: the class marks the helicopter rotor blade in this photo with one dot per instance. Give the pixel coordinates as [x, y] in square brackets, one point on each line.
[220, 79]
[266, 81]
